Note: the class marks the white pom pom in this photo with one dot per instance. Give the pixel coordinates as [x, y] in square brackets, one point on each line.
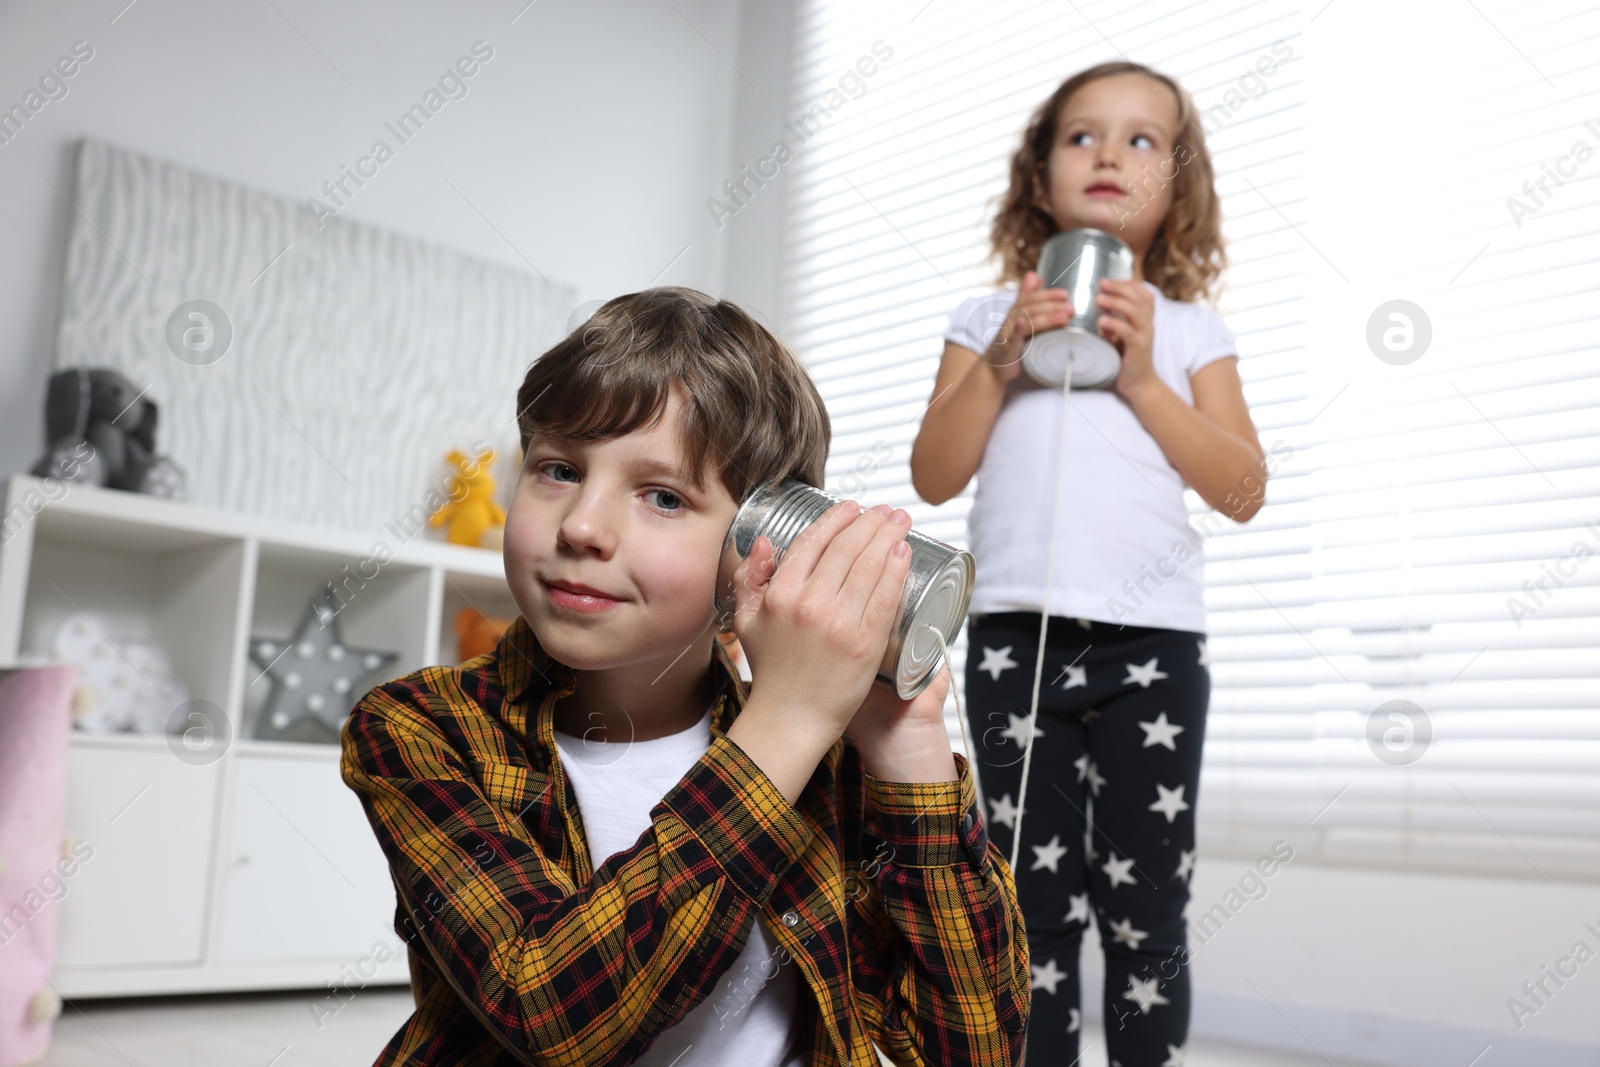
[45, 1006]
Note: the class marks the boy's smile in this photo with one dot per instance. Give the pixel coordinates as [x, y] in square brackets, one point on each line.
[611, 554]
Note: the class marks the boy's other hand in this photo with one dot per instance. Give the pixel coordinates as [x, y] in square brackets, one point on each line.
[815, 629]
[905, 740]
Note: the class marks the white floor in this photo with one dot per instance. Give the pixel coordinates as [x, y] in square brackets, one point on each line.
[306, 1029]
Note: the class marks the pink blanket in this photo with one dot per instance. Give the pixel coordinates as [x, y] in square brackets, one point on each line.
[35, 861]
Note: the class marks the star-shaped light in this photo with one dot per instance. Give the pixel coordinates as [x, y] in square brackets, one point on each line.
[1076, 676]
[996, 660]
[1160, 732]
[1144, 993]
[1018, 730]
[1185, 863]
[1095, 781]
[1002, 812]
[1048, 855]
[1082, 763]
[1074, 1020]
[1122, 930]
[1083, 623]
[1080, 908]
[315, 675]
[1169, 801]
[1175, 1056]
[1143, 675]
[1117, 870]
[1047, 976]
[1205, 656]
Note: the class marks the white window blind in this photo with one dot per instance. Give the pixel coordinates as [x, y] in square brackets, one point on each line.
[1407, 503]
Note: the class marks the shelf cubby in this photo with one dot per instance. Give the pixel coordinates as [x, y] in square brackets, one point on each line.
[206, 875]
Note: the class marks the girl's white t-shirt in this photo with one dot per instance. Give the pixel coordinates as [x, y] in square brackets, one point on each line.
[752, 1016]
[1125, 552]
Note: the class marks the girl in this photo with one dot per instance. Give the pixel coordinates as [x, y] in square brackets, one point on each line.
[1107, 820]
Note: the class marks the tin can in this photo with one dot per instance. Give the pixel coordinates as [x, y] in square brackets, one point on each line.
[937, 589]
[1077, 261]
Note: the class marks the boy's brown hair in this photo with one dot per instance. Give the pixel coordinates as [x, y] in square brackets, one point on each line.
[753, 414]
[1187, 254]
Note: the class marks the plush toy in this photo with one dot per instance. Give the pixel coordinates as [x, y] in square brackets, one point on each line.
[474, 517]
[477, 633]
[37, 861]
[124, 684]
[100, 429]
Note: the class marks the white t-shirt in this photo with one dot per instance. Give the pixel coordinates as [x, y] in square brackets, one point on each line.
[1125, 552]
[752, 1017]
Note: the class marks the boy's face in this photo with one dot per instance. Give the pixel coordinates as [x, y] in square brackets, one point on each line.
[593, 513]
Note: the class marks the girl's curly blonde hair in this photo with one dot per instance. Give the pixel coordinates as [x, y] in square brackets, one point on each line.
[1185, 258]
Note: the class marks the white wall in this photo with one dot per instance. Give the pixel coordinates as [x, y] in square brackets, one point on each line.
[753, 237]
[584, 149]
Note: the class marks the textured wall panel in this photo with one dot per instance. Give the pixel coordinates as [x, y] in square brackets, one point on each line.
[358, 356]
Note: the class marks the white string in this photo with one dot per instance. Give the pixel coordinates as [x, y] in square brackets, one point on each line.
[966, 742]
[1044, 623]
[1044, 615]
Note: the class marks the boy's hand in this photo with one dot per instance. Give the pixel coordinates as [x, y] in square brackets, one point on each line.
[816, 630]
[1036, 310]
[905, 740]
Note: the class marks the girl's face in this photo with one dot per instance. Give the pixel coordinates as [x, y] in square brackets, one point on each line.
[1112, 164]
[602, 514]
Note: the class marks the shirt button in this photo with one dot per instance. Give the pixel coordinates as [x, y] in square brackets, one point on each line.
[966, 822]
[790, 918]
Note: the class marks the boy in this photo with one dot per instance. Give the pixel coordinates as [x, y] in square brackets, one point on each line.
[607, 847]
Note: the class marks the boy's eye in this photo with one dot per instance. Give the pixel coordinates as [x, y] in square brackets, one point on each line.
[554, 465]
[557, 465]
[1144, 137]
[672, 496]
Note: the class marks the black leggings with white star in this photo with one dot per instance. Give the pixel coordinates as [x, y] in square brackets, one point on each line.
[1108, 822]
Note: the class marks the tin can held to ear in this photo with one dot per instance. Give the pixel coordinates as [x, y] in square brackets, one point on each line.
[937, 589]
[1077, 261]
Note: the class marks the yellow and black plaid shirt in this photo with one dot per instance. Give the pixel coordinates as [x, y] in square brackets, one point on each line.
[890, 898]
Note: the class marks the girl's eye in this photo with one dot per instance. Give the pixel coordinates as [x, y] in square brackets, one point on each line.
[1078, 138]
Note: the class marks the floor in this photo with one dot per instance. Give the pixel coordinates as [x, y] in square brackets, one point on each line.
[307, 1030]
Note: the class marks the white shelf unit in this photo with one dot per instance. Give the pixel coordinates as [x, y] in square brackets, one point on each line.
[257, 870]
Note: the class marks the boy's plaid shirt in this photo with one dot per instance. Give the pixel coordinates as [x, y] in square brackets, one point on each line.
[889, 897]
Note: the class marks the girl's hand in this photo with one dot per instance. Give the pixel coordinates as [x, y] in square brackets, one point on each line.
[1129, 323]
[1036, 310]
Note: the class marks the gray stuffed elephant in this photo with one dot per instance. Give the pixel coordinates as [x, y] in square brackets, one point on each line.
[100, 430]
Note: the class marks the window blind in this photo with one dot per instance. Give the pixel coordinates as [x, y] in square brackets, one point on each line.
[1409, 501]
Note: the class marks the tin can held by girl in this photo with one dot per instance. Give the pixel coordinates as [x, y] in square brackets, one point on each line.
[935, 595]
[1077, 261]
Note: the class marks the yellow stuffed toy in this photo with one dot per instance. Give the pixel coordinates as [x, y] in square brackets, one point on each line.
[474, 517]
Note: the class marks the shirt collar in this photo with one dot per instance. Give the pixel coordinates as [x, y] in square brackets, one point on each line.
[529, 675]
